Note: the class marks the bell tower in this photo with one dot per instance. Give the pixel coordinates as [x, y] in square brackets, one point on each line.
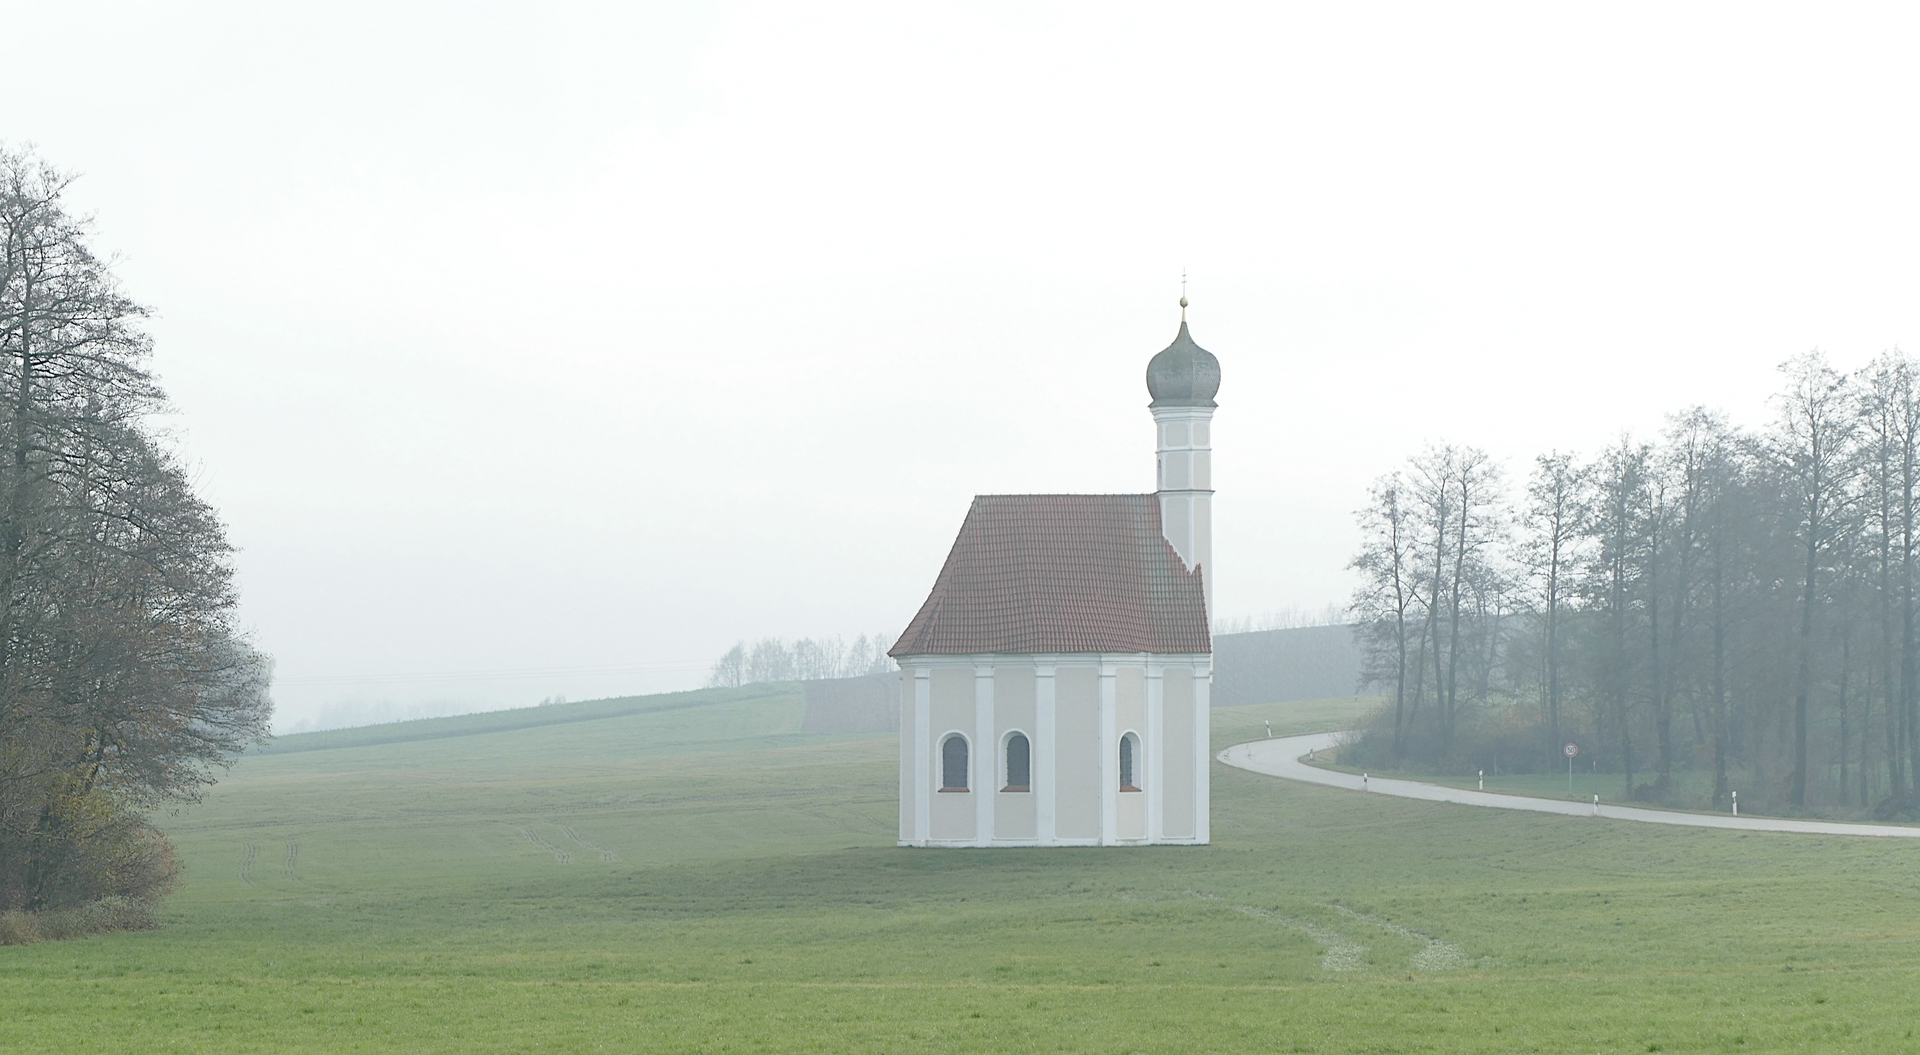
[1183, 380]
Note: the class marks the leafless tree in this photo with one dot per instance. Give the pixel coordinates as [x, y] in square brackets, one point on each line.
[1386, 596]
[730, 670]
[1735, 600]
[1811, 442]
[1551, 525]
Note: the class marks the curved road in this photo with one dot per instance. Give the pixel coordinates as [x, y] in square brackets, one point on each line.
[1280, 757]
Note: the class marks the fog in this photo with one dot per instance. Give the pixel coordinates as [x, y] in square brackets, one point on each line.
[537, 350]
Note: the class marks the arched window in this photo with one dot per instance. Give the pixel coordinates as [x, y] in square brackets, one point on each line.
[1019, 763]
[1129, 763]
[953, 763]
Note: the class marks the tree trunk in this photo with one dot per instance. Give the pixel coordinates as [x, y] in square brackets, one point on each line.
[1553, 639]
[1399, 640]
[1453, 621]
[1662, 716]
[1797, 792]
[1720, 787]
[1846, 663]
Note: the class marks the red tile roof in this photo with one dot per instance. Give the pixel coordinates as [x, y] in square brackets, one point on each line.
[1061, 573]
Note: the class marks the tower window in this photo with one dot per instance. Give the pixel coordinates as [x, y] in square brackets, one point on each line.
[953, 763]
[1129, 763]
[1019, 763]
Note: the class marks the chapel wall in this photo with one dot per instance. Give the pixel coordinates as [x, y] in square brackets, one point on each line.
[1176, 784]
[952, 813]
[1130, 700]
[1077, 752]
[1015, 814]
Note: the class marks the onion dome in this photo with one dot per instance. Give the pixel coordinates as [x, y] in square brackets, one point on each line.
[1185, 374]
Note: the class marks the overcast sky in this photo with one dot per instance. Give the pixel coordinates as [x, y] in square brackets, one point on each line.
[533, 349]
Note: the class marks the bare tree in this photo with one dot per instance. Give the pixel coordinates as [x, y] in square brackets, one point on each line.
[730, 670]
[1810, 441]
[1385, 597]
[1885, 398]
[1616, 507]
[1685, 474]
[1551, 523]
[1719, 597]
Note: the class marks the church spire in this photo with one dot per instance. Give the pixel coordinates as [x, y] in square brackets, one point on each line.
[1183, 380]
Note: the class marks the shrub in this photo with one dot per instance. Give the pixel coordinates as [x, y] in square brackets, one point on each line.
[91, 855]
[1509, 739]
[97, 917]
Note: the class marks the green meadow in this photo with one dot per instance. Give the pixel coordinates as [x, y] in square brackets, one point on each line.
[693, 873]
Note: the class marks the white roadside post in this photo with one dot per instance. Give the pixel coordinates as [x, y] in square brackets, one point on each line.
[1736, 804]
[1596, 805]
[1363, 782]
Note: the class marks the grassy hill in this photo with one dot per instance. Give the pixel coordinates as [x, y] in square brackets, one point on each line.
[693, 873]
[515, 719]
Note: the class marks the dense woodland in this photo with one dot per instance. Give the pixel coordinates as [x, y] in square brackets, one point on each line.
[124, 684]
[1720, 608]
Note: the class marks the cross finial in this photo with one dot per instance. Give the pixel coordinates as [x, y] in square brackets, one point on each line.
[1183, 294]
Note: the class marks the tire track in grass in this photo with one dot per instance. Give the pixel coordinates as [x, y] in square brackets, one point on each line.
[1341, 953]
[567, 830]
[1437, 955]
[293, 858]
[246, 866]
[559, 856]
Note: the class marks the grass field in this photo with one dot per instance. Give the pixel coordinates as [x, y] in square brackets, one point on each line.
[1691, 789]
[694, 874]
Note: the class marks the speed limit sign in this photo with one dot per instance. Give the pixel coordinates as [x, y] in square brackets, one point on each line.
[1571, 750]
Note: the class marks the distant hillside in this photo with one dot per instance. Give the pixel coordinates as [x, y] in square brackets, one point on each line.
[517, 718]
[1275, 666]
[867, 704]
[1265, 666]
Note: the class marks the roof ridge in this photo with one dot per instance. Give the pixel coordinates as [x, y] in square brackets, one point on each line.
[1068, 494]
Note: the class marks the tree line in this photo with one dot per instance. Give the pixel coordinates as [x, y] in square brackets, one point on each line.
[124, 681]
[808, 659]
[1736, 604]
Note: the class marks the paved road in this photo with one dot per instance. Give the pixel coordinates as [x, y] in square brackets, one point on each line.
[1280, 757]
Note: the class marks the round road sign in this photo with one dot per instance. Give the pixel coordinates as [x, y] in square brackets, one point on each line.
[1571, 750]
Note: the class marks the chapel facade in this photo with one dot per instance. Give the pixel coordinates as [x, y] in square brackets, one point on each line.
[1054, 688]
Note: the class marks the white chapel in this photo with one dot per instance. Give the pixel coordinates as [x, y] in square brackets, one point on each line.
[1054, 686]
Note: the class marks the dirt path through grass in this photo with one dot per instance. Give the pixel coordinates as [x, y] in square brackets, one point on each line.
[560, 856]
[1280, 757]
[568, 831]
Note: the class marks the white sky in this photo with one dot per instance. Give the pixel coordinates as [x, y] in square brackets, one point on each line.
[571, 337]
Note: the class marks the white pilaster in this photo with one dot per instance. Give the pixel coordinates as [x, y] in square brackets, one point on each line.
[1045, 791]
[986, 765]
[909, 765]
[1154, 750]
[1203, 751]
[1109, 758]
[923, 754]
